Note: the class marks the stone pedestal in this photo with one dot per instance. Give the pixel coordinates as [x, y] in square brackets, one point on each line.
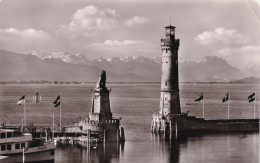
[100, 109]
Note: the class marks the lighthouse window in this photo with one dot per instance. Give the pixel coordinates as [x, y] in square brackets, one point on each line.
[166, 82]
[166, 50]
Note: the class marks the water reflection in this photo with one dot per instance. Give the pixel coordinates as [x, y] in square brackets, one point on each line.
[160, 148]
[171, 145]
[213, 147]
[84, 152]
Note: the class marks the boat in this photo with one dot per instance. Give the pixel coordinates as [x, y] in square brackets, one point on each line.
[16, 146]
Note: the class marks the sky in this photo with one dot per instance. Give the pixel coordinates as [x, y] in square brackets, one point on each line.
[118, 28]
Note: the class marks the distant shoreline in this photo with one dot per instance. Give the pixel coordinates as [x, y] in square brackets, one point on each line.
[82, 83]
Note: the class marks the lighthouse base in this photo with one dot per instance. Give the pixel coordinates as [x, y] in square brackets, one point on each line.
[184, 123]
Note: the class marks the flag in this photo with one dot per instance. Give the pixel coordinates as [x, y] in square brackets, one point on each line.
[199, 98]
[57, 101]
[251, 98]
[226, 98]
[21, 101]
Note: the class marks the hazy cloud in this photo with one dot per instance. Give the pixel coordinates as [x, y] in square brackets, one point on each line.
[220, 35]
[135, 20]
[241, 57]
[23, 33]
[23, 40]
[116, 43]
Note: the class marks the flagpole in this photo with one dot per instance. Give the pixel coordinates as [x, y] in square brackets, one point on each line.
[60, 112]
[254, 104]
[203, 105]
[24, 110]
[53, 126]
[23, 155]
[22, 124]
[228, 103]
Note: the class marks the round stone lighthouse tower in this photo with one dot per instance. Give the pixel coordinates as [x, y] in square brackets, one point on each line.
[170, 100]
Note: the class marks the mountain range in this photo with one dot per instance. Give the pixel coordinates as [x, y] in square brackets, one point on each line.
[64, 66]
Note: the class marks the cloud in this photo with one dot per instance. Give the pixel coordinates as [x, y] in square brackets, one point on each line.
[220, 35]
[23, 40]
[90, 20]
[135, 20]
[118, 44]
[241, 57]
[29, 33]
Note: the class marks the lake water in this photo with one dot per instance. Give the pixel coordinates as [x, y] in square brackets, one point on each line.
[134, 104]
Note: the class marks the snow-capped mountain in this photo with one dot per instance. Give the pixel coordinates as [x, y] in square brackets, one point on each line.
[127, 59]
[138, 65]
[138, 68]
[64, 56]
[209, 68]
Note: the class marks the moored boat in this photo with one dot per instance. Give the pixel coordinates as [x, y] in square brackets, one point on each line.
[14, 142]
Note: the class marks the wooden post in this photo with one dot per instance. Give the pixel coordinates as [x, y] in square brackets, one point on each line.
[122, 134]
[104, 137]
[46, 135]
[89, 135]
[118, 140]
[117, 136]
[170, 129]
[152, 126]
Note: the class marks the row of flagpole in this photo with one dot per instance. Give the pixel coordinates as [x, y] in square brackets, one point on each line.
[251, 98]
[56, 103]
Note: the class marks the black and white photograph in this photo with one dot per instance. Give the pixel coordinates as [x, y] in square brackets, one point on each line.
[129, 81]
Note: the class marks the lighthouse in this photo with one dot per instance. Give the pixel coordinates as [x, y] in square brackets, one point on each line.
[169, 98]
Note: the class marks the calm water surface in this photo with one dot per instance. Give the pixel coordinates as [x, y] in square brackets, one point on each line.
[134, 103]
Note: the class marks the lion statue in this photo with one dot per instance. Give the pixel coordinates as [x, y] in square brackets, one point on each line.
[102, 80]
